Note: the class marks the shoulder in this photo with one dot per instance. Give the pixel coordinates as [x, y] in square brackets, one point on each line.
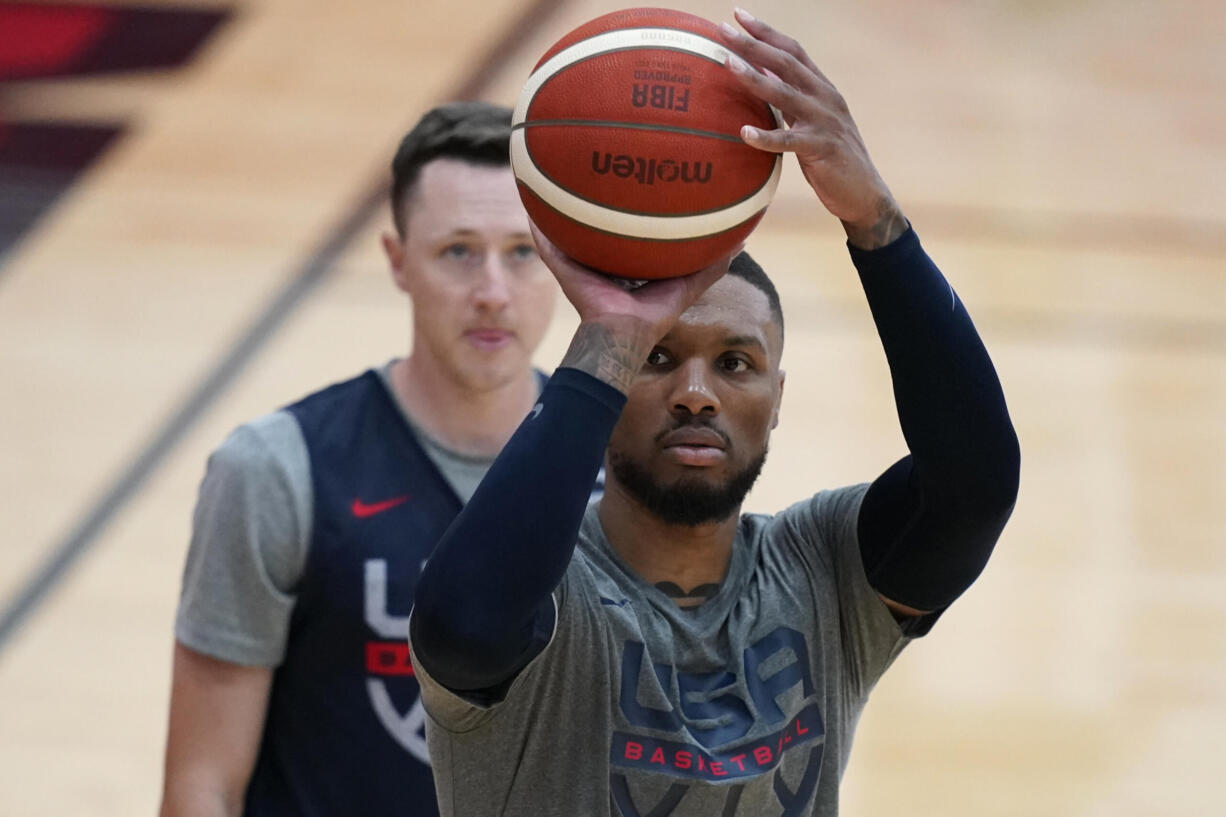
[337, 396]
[819, 528]
[827, 513]
[270, 445]
[828, 510]
[262, 471]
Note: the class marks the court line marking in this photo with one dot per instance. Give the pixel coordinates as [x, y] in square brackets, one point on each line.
[35, 589]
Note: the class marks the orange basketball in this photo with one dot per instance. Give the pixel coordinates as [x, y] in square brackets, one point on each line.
[627, 150]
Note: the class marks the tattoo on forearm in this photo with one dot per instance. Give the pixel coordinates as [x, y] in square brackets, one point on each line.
[889, 226]
[604, 354]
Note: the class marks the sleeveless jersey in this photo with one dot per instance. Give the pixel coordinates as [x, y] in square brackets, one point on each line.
[344, 732]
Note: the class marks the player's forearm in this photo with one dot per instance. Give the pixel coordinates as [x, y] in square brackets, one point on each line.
[949, 399]
[484, 596]
[217, 715]
[929, 523]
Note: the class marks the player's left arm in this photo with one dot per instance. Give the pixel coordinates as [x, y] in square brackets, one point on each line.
[928, 524]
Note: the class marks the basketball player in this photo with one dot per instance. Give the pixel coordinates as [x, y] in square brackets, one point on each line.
[660, 654]
[293, 693]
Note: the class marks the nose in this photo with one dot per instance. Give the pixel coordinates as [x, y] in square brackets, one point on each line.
[493, 290]
[693, 391]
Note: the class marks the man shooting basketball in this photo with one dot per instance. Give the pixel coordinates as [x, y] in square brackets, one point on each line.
[661, 654]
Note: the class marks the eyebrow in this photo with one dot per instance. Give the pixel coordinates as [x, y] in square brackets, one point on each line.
[744, 340]
[730, 340]
[468, 232]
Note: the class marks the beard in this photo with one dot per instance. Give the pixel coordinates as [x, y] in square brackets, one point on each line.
[688, 502]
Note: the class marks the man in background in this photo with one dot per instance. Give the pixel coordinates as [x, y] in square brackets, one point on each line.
[293, 692]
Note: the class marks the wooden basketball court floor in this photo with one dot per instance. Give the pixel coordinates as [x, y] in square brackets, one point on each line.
[1064, 162]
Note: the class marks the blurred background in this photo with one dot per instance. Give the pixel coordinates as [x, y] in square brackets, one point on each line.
[190, 202]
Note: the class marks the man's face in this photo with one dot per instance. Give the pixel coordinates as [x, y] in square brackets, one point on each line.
[695, 429]
[482, 299]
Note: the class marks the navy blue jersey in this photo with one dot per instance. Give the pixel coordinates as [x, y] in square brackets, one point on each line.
[344, 734]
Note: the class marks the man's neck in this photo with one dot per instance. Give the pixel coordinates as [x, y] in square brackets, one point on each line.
[470, 422]
[687, 562]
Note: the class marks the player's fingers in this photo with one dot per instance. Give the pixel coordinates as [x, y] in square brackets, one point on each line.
[700, 281]
[545, 248]
[789, 100]
[767, 34]
[810, 146]
[788, 118]
[781, 140]
[768, 57]
[557, 261]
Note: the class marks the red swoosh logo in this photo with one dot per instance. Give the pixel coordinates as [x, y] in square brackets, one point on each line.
[362, 510]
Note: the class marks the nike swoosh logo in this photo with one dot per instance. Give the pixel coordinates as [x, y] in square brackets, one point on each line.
[612, 603]
[536, 410]
[362, 510]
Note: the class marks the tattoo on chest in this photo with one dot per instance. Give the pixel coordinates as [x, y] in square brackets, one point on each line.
[689, 598]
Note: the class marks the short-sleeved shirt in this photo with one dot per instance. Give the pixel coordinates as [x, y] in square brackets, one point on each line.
[743, 706]
[251, 534]
[310, 531]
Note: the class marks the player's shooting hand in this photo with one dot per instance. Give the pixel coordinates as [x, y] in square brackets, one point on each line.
[820, 130]
[597, 296]
[620, 322]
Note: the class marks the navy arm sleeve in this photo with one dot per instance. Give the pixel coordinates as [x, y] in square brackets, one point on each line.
[928, 524]
[483, 605]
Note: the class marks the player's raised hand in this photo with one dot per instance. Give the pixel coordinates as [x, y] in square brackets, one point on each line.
[820, 130]
[621, 321]
[596, 296]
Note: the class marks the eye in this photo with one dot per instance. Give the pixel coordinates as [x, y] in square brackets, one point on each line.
[522, 252]
[658, 357]
[733, 364]
[457, 251]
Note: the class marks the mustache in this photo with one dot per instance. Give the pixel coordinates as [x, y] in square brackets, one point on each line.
[695, 421]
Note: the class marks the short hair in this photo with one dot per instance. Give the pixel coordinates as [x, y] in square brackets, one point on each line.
[474, 132]
[744, 267]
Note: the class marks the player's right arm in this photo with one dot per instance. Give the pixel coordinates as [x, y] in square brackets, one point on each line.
[929, 523]
[483, 607]
[248, 546]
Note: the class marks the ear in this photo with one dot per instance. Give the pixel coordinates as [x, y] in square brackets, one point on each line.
[778, 400]
[393, 248]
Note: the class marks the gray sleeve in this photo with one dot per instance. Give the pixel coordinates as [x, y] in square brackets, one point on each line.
[870, 637]
[250, 533]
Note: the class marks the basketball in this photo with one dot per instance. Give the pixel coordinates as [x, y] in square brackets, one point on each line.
[626, 146]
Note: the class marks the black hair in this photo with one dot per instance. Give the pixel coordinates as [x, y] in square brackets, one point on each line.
[744, 267]
[475, 132]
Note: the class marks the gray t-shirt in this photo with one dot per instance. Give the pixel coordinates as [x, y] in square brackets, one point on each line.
[251, 532]
[745, 706]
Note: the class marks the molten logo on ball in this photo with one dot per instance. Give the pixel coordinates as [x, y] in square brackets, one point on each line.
[649, 171]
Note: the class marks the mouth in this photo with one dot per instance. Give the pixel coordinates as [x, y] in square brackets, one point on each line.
[489, 340]
[695, 447]
[695, 456]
